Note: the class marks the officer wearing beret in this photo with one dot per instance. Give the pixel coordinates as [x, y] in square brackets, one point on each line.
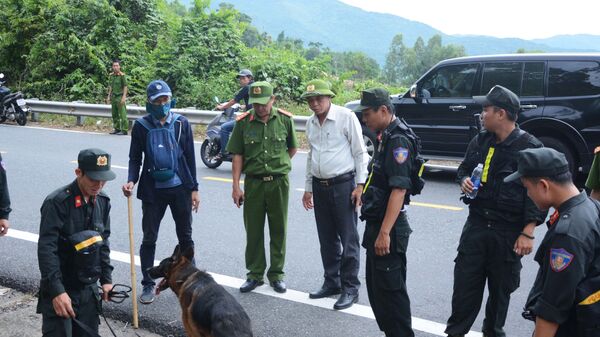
[383, 208]
[263, 143]
[565, 298]
[73, 249]
[336, 170]
[593, 179]
[499, 228]
[4, 200]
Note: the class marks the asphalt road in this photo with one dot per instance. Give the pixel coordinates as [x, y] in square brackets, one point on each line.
[41, 160]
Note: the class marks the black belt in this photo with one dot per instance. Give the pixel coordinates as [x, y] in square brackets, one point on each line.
[270, 177]
[335, 180]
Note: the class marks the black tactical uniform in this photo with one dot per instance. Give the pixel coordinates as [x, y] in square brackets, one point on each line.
[386, 275]
[496, 218]
[569, 256]
[64, 216]
[4, 196]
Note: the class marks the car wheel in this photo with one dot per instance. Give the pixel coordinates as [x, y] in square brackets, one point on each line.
[370, 140]
[560, 146]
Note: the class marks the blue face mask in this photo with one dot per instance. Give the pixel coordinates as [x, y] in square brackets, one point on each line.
[158, 111]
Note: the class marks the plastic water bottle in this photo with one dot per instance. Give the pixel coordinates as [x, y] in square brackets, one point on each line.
[476, 180]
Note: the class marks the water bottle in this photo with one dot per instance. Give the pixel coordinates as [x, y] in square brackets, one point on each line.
[476, 180]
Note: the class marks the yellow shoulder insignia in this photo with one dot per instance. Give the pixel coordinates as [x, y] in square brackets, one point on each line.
[287, 113]
[242, 116]
[597, 150]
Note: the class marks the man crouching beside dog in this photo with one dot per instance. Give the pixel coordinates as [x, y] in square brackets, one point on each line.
[73, 249]
[208, 310]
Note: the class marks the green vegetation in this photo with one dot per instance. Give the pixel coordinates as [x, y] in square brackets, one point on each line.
[62, 50]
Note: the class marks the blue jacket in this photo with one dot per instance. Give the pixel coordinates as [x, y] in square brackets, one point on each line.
[186, 166]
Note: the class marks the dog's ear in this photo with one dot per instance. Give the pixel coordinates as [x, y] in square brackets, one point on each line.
[176, 252]
[189, 253]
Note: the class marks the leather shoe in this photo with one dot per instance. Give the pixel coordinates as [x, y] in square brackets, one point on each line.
[345, 301]
[279, 286]
[324, 292]
[250, 285]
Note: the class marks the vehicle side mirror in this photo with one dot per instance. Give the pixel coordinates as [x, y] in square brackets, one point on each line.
[216, 99]
[173, 102]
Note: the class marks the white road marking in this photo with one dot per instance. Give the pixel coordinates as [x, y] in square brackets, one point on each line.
[360, 310]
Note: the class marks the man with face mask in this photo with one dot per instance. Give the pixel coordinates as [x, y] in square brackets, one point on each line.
[168, 175]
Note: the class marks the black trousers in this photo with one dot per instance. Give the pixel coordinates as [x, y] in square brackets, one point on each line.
[386, 284]
[179, 200]
[485, 253]
[338, 236]
[86, 304]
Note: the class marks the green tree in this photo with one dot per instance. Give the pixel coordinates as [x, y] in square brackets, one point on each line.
[392, 71]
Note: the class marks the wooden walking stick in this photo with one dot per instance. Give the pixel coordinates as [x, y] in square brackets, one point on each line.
[132, 259]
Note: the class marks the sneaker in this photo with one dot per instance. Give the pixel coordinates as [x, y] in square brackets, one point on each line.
[122, 133]
[114, 132]
[147, 296]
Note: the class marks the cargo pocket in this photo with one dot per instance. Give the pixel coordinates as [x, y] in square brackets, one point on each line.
[401, 243]
[389, 274]
[514, 265]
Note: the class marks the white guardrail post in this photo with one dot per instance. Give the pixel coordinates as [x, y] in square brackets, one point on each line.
[133, 112]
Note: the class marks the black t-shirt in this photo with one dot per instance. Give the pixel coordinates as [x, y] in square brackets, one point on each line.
[244, 95]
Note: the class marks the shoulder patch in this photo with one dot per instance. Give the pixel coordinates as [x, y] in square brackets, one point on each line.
[242, 116]
[597, 150]
[401, 154]
[287, 113]
[560, 259]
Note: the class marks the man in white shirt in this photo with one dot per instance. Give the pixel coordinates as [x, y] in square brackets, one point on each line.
[336, 170]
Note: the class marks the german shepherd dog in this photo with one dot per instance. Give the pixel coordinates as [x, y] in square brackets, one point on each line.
[208, 310]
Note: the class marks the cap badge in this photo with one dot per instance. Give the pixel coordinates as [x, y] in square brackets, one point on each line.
[257, 90]
[310, 87]
[102, 161]
[158, 87]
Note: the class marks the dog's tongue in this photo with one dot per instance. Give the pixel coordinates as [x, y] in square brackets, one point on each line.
[160, 286]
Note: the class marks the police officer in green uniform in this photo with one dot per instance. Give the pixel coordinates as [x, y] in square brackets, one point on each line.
[593, 179]
[262, 143]
[4, 200]
[383, 208]
[565, 298]
[117, 94]
[73, 249]
[499, 228]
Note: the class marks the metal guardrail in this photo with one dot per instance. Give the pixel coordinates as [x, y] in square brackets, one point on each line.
[133, 112]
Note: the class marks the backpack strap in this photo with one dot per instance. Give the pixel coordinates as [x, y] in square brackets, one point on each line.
[144, 122]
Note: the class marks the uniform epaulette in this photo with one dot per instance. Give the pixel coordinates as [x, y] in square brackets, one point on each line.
[283, 112]
[242, 116]
[597, 149]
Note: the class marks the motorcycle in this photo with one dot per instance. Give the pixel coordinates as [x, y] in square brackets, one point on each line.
[13, 106]
[211, 146]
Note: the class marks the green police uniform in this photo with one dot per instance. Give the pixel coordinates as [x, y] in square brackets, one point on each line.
[266, 163]
[73, 249]
[593, 179]
[119, 113]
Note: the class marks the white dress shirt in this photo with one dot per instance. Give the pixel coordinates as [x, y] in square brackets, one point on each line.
[336, 147]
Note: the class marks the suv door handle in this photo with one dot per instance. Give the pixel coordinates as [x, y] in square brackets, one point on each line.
[529, 106]
[457, 107]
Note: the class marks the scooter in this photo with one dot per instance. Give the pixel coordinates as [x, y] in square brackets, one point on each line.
[12, 105]
[211, 146]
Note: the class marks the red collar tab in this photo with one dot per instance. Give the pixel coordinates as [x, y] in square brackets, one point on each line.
[553, 218]
[78, 202]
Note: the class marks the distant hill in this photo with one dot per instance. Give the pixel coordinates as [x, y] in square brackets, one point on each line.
[342, 27]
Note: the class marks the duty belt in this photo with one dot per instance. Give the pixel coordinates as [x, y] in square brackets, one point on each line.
[270, 177]
[335, 180]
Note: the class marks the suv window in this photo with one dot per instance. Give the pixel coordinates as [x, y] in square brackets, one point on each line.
[568, 78]
[533, 79]
[451, 81]
[506, 74]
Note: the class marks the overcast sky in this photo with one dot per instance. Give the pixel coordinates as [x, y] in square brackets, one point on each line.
[527, 19]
